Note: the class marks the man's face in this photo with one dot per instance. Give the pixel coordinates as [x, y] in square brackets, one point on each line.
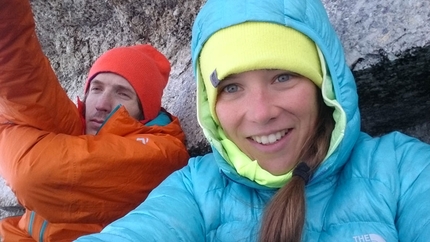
[107, 91]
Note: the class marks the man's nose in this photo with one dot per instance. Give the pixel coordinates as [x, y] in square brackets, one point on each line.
[104, 102]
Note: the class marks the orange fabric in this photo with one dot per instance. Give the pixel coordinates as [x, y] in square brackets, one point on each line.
[15, 229]
[9, 231]
[76, 183]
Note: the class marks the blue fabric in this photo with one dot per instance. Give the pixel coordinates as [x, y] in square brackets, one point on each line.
[162, 119]
[369, 189]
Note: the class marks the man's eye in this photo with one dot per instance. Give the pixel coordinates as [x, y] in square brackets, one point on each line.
[283, 77]
[230, 88]
[123, 94]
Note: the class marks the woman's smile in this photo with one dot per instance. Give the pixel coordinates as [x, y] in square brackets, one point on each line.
[269, 139]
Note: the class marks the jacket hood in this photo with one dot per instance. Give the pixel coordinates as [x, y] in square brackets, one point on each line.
[310, 18]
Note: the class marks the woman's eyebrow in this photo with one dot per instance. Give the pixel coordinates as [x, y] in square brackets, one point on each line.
[231, 76]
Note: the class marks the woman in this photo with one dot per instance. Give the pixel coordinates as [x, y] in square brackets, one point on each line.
[278, 104]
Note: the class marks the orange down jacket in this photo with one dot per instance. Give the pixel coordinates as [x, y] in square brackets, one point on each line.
[69, 183]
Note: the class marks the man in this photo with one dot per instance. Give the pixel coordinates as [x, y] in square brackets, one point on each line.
[77, 169]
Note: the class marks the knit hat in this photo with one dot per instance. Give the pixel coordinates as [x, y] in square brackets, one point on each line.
[144, 67]
[256, 45]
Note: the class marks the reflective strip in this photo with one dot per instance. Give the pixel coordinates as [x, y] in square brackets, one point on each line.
[30, 224]
[42, 230]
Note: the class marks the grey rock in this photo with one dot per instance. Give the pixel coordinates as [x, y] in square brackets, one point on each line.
[9, 205]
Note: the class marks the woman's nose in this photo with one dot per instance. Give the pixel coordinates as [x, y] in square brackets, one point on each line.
[260, 107]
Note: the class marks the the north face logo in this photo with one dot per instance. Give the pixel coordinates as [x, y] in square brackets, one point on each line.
[368, 238]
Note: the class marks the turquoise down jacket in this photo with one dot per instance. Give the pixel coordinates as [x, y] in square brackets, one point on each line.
[368, 189]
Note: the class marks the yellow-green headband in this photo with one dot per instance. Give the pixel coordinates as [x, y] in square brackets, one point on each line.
[253, 46]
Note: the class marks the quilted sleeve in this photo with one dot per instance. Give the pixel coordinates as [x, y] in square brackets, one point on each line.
[413, 215]
[30, 93]
[170, 213]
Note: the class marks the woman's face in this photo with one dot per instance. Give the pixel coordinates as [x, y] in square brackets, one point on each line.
[269, 115]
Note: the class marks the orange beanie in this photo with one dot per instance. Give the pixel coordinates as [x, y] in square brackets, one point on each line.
[144, 67]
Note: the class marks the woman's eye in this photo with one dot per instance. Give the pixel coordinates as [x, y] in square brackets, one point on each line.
[230, 88]
[283, 77]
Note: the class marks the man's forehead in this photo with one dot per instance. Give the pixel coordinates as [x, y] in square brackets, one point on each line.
[111, 79]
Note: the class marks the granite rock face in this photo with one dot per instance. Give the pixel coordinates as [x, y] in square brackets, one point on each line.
[387, 45]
